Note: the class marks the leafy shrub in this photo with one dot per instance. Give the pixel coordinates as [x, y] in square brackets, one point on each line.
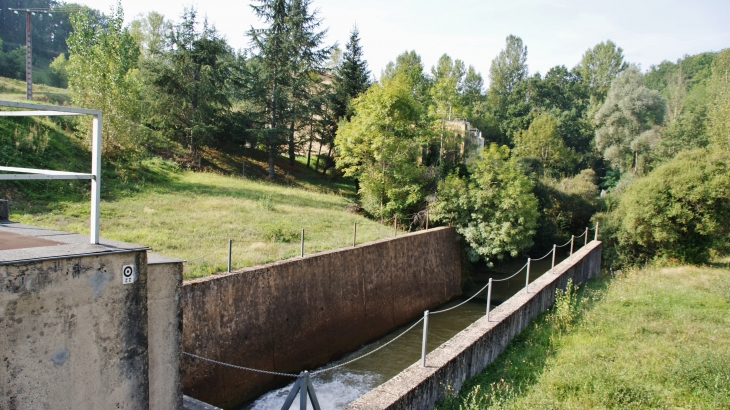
[493, 208]
[280, 231]
[678, 211]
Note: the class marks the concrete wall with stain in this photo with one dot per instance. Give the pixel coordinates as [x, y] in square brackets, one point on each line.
[73, 336]
[304, 312]
[164, 319]
[471, 350]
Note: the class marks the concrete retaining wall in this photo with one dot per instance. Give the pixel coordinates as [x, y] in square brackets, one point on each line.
[467, 353]
[304, 312]
[73, 336]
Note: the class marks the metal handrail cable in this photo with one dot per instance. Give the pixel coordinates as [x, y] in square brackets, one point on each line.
[539, 259]
[240, 367]
[460, 304]
[565, 244]
[368, 353]
[515, 274]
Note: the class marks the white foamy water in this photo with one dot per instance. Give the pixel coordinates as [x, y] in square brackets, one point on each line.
[333, 391]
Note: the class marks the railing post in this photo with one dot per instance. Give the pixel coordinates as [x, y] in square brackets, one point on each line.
[527, 277]
[586, 238]
[489, 297]
[302, 243]
[552, 268]
[596, 237]
[572, 239]
[230, 246]
[395, 225]
[427, 218]
[354, 234]
[425, 338]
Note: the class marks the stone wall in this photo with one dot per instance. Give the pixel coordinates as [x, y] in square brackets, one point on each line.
[467, 353]
[304, 312]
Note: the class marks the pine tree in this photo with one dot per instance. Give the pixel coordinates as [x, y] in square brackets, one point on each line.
[352, 77]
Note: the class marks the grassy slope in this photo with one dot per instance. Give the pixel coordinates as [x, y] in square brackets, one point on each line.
[193, 215]
[184, 214]
[656, 338]
[14, 90]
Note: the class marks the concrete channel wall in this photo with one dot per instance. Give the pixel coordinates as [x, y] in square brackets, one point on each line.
[301, 313]
[471, 350]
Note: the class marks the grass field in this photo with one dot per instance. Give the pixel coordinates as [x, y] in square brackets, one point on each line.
[14, 90]
[192, 216]
[653, 338]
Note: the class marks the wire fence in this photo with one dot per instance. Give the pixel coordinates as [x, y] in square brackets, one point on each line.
[423, 320]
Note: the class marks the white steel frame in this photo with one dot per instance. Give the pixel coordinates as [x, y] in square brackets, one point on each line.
[37, 110]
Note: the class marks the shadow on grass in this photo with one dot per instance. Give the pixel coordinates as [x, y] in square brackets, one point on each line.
[520, 365]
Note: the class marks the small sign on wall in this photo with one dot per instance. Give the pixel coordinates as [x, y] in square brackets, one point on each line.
[129, 274]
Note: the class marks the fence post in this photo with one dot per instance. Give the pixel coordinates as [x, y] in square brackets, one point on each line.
[302, 242]
[395, 225]
[230, 246]
[489, 297]
[572, 239]
[427, 218]
[552, 268]
[354, 235]
[586, 238]
[527, 277]
[596, 238]
[425, 338]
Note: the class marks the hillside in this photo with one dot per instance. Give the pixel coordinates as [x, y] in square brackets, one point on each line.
[175, 208]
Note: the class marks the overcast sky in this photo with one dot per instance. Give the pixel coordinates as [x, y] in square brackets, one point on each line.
[556, 32]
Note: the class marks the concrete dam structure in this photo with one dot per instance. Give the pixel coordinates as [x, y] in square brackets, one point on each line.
[301, 313]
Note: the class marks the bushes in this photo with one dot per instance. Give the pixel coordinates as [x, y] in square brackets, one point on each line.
[679, 211]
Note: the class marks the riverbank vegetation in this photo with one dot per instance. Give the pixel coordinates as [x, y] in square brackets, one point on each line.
[644, 338]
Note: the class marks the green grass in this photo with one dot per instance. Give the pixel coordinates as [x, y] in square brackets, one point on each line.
[191, 215]
[653, 338]
[14, 90]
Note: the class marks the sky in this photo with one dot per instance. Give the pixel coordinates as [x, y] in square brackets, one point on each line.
[556, 32]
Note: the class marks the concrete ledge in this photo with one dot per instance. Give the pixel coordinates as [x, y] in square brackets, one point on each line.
[471, 350]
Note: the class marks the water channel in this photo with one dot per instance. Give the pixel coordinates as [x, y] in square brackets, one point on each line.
[338, 387]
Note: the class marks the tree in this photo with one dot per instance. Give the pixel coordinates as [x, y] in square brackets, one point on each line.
[351, 76]
[102, 74]
[274, 54]
[191, 101]
[599, 66]
[508, 69]
[408, 67]
[680, 210]
[380, 146]
[627, 122]
[151, 32]
[493, 208]
[445, 105]
[719, 107]
[307, 64]
[291, 57]
[543, 141]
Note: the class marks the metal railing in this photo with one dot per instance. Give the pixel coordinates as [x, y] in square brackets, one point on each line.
[24, 174]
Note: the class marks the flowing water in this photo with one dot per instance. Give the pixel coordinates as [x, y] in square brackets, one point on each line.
[336, 388]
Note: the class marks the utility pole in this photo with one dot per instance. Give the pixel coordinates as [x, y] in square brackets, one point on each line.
[29, 47]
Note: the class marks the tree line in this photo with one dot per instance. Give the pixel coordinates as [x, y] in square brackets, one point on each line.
[560, 150]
